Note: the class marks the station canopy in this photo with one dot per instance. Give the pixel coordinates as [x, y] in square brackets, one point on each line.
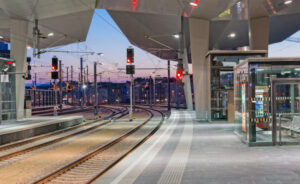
[69, 20]
[159, 20]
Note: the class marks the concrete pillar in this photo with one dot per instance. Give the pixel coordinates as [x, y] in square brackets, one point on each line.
[259, 29]
[186, 77]
[199, 35]
[18, 45]
[187, 82]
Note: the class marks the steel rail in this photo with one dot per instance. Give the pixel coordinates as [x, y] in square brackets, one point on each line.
[130, 151]
[29, 149]
[99, 150]
[36, 138]
[65, 111]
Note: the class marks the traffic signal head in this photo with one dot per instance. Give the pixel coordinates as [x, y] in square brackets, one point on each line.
[179, 74]
[130, 55]
[28, 59]
[130, 69]
[54, 63]
[54, 75]
[179, 71]
[28, 75]
[147, 86]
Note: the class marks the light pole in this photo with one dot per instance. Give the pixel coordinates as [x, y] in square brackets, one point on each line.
[81, 83]
[96, 89]
[154, 87]
[60, 86]
[169, 87]
[131, 97]
[150, 92]
[72, 91]
[96, 86]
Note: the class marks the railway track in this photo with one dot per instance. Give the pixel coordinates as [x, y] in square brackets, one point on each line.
[49, 112]
[92, 165]
[42, 108]
[22, 147]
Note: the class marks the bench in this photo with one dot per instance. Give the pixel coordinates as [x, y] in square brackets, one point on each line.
[294, 126]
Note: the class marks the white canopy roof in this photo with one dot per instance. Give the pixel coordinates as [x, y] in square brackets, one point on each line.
[70, 20]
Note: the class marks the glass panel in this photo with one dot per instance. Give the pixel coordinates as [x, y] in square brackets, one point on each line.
[260, 121]
[287, 105]
[8, 97]
[261, 116]
[240, 92]
[253, 107]
[222, 84]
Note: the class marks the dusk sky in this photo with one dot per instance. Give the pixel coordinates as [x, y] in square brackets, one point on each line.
[104, 38]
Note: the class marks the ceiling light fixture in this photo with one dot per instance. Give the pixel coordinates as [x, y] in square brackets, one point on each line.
[193, 4]
[1, 37]
[287, 2]
[50, 34]
[176, 36]
[232, 35]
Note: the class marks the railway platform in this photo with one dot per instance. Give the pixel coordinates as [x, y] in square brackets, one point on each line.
[185, 151]
[14, 130]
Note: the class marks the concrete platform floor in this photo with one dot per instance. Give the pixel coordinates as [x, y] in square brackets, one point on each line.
[15, 130]
[183, 151]
[11, 125]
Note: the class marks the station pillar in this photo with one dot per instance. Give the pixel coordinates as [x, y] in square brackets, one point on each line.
[18, 52]
[187, 82]
[199, 40]
[259, 29]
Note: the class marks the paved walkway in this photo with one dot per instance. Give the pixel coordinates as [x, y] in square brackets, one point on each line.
[183, 151]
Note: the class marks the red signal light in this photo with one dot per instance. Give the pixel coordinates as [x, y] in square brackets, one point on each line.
[134, 3]
[10, 62]
[54, 63]
[179, 74]
[130, 55]
[147, 86]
